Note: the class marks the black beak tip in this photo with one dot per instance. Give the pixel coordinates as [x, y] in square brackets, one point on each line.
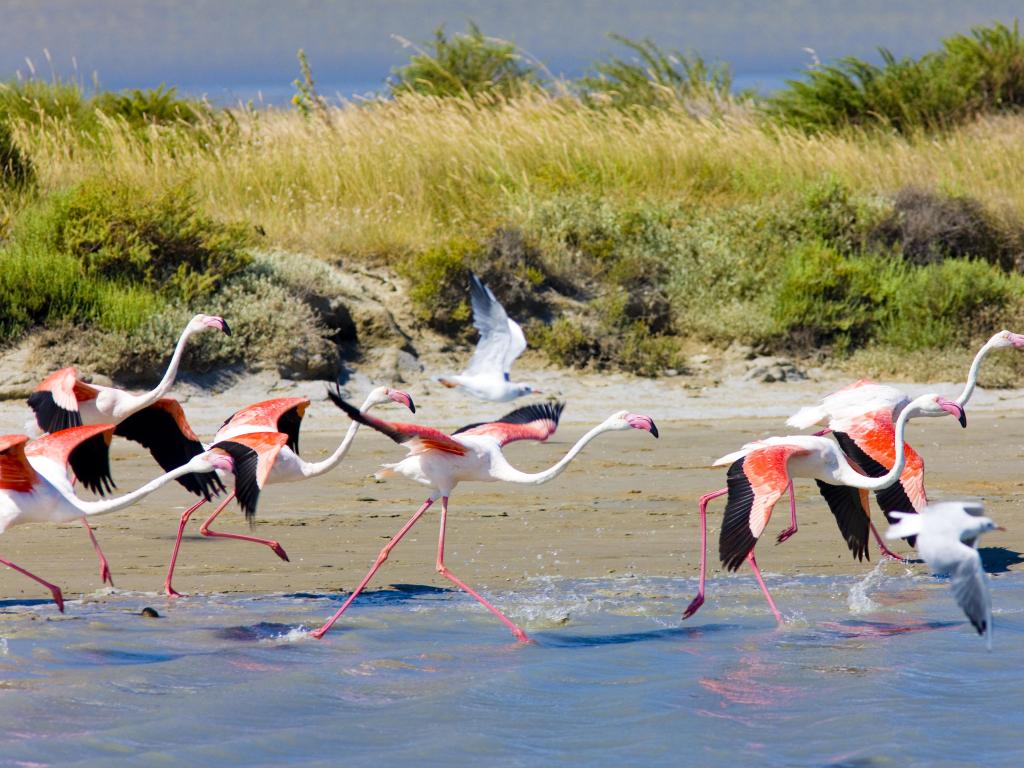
[227, 328]
[963, 419]
[412, 406]
[654, 430]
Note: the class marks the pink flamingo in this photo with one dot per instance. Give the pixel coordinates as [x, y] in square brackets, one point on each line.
[861, 416]
[156, 422]
[34, 483]
[279, 461]
[760, 472]
[441, 461]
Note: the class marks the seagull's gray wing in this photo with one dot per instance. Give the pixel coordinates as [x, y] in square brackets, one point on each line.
[490, 320]
[971, 592]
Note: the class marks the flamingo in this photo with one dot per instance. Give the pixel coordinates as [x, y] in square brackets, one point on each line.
[34, 483]
[279, 461]
[760, 472]
[860, 417]
[441, 461]
[158, 423]
[488, 376]
[947, 537]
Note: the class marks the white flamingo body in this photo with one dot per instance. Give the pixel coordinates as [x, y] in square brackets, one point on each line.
[473, 453]
[262, 436]
[35, 487]
[762, 471]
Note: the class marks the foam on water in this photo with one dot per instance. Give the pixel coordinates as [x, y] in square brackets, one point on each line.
[872, 671]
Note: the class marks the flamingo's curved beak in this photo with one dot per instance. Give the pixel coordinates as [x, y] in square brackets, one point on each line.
[402, 398]
[950, 407]
[219, 323]
[639, 421]
[1016, 339]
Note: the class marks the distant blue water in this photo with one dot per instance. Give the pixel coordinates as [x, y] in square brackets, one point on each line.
[880, 671]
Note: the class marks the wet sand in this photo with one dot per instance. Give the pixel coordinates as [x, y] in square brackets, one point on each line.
[627, 505]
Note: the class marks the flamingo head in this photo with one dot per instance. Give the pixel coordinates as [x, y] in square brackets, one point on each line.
[627, 420]
[211, 461]
[1008, 339]
[937, 405]
[202, 322]
[402, 398]
[382, 395]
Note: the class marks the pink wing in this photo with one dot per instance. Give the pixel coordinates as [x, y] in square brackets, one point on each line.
[16, 474]
[420, 438]
[85, 449]
[756, 482]
[531, 422]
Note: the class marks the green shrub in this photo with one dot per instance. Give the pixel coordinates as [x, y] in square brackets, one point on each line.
[468, 64]
[564, 341]
[439, 283]
[654, 78]
[969, 75]
[35, 101]
[15, 168]
[829, 300]
[161, 105]
[130, 235]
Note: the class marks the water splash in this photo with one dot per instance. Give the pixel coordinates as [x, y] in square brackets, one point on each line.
[858, 599]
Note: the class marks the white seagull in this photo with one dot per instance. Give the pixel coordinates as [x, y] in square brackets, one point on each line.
[947, 536]
[501, 342]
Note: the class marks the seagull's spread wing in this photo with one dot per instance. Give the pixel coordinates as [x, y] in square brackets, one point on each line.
[971, 593]
[501, 340]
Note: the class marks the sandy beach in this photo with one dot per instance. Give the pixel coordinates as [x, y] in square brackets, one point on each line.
[627, 505]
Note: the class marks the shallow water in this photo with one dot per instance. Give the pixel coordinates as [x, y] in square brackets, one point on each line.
[875, 671]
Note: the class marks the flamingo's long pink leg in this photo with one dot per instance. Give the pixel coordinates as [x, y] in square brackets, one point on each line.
[698, 601]
[205, 530]
[764, 588]
[104, 565]
[792, 517]
[376, 565]
[443, 570]
[58, 598]
[168, 589]
[884, 550]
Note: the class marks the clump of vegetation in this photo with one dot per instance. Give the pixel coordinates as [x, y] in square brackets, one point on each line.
[112, 254]
[927, 227]
[15, 169]
[121, 233]
[654, 78]
[979, 73]
[36, 101]
[464, 65]
[307, 100]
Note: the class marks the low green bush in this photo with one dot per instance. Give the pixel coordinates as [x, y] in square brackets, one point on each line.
[15, 168]
[653, 78]
[979, 73]
[126, 234]
[464, 65]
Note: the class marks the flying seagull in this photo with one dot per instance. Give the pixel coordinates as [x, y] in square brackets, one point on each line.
[947, 536]
[501, 341]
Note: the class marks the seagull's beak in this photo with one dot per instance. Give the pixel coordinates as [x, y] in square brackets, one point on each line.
[950, 407]
[536, 392]
[999, 528]
[402, 398]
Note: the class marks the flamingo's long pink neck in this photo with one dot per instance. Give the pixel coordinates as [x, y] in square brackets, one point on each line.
[855, 479]
[120, 502]
[510, 474]
[138, 402]
[972, 374]
[313, 469]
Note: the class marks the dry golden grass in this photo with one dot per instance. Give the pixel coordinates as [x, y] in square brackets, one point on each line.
[391, 177]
